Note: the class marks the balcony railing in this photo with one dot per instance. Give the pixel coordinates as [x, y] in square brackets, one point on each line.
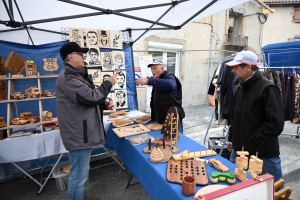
[236, 40]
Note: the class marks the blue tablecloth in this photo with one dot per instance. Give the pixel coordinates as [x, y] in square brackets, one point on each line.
[153, 176]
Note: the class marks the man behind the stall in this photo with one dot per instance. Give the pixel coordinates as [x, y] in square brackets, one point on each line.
[166, 92]
[79, 109]
[258, 115]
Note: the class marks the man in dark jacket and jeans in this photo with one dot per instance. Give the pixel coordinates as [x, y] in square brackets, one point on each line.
[258, 115]
[79, 108]
[166, 92]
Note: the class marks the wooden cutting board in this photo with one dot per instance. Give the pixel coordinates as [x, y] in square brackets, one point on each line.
[131, 130]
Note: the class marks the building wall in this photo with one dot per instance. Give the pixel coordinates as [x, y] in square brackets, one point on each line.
[202, 40]
[280, 26]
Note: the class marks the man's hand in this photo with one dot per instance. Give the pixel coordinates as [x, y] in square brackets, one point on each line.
[142, 81]
[109, 105]
[229, 146]
[113, 79]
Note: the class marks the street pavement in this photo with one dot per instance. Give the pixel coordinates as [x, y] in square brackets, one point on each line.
[109, 182]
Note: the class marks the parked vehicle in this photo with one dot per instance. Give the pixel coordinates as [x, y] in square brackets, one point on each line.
[17, 95]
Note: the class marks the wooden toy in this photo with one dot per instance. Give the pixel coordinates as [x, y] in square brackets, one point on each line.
[155, 126]
[188, 155]
[130, 130]
[47, 93]
[32, 119]
[17, 95]
[30, 68]
[164, 149]
[2, 67]
[142, 119]
[218, 165]
[255, 167]
[47, 115]
[222, 176]
[121, 122]
[242, 163]
[177, 170]
[19, 121]
[33, 92]
[156, 155]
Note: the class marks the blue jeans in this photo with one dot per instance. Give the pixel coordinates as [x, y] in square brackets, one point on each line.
[79, 171]
[270, 165]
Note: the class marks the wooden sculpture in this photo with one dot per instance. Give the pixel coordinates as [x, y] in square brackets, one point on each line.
[242, 163]
[255, 167]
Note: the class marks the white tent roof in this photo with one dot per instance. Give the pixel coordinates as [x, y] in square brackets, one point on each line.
[137, 15]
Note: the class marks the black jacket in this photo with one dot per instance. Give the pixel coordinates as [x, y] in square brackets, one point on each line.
[164, 100]
[258, 117]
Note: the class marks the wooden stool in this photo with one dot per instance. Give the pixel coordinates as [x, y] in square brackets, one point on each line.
[283, 194]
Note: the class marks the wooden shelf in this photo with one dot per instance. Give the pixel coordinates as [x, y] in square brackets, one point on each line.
[27, 99]
[29, 124]
[29, 77]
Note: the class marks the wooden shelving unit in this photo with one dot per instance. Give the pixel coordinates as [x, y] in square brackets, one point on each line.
[10, 102]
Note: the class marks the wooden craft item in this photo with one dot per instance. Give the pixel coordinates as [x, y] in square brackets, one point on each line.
[177, 170]
[218, 165]
[66, 169]
[242, 163]
[2, 122]
[118, 113]
[30, 68]
[142, 119]
[188, 185]
[255, 167]
[50, 64]
[122, 122]
[170, 126]
[155, 126]
[209, 189]
[2, 90]
[196, 154]
[217, 176]
[156, 155]
[2, 66]
[130, 130]
[15, 63]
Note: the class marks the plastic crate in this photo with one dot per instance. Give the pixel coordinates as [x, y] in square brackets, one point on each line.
[216, 144]
[61, 178]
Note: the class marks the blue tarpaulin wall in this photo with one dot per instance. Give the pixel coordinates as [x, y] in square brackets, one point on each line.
[37, 54]
[282, 54]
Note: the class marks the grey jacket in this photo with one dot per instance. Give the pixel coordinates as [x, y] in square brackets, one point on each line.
[79, 108]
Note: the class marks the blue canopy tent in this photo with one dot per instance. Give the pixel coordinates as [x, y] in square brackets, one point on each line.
[282, 54]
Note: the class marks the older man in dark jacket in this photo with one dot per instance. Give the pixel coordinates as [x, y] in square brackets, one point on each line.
[258, 115]
[79, 109]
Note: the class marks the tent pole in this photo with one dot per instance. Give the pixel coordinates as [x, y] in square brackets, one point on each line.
[155, 23]
[23, 21]
[11, 9]
[9, 30]
[200, 11]
[115, 12]
[7, 10]
[45, 30]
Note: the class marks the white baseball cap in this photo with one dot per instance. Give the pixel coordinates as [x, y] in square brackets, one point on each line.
[247, 57]
[157, 62]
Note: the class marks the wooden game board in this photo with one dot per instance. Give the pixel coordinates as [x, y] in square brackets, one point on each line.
[155, 126]
[177, 170]
[197, 154]
[130, 130]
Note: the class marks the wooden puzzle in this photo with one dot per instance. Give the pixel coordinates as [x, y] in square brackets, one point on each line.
[185, 155]
[242, 163]
[15, 63]
[121, 122]
[222, 176]
[130, 130]
[155, 126]
[142, 119]
[177, 170]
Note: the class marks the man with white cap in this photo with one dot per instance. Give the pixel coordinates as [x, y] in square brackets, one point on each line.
[166, 92]
[258, 115]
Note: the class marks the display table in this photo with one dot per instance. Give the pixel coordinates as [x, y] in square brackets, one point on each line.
[152, 176]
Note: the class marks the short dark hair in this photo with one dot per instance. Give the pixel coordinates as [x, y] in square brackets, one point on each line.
[121, 74]
[94, 50]
[91, 32]
[121, 92]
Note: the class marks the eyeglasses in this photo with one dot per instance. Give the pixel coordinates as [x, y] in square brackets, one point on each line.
[78, 53]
